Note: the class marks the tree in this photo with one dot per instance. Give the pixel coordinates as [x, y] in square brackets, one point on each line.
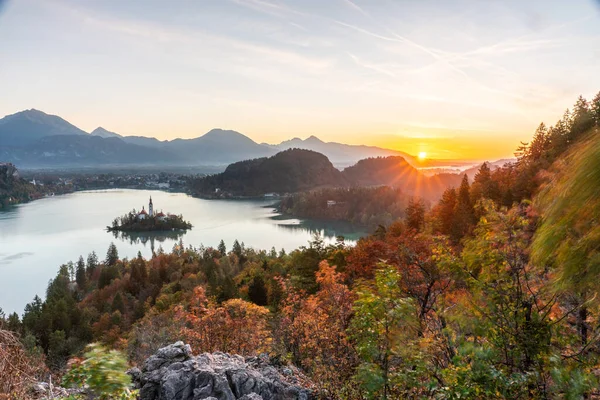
[222, 248]
[80, 274]
[595, 109]
[236, 326]
[92, 263]
[237, 248]
[118, 304]
[257, 291]
[415, 214]
[582, 119]
[314, 330]
[445, 211]
[484, 186]
[381, 327]
[464, 213]
[112, 255]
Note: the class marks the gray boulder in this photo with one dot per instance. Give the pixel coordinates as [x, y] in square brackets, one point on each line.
[174, 374]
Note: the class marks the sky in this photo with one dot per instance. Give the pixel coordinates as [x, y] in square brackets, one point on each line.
[455, 79]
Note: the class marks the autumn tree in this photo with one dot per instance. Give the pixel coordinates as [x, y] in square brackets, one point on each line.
[314, 330]
[415, 214]
[235, 326]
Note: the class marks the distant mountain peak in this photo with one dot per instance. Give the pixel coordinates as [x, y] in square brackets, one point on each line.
[100, 131]
[313, 139]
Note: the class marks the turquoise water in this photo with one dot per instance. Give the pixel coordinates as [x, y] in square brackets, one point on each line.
[37, 237]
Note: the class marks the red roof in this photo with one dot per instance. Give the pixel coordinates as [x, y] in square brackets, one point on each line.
[143, 212]
[160, 214]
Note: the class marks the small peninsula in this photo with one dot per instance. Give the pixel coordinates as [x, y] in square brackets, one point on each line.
[146, 221]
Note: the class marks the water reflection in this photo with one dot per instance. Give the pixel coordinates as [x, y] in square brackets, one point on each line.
[150, 238]
[327, 229]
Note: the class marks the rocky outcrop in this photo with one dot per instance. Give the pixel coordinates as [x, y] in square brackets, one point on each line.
[174, 374]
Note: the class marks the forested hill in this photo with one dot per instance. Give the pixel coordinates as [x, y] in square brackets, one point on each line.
[396, 172]
[14, 189]
[288, 171]
[298, 170]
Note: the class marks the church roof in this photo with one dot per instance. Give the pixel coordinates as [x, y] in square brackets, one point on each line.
[143, 212]
[160, 214]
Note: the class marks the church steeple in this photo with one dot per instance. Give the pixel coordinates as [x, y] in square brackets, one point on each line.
[150, 207]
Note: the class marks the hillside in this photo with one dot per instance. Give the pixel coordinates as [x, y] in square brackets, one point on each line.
[15, 190]
[296, 170]
[398, 173]
[286, 172]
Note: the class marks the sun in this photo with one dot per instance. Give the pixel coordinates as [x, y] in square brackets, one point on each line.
[422, 155]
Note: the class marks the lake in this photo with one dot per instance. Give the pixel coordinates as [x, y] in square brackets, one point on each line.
[37, 237]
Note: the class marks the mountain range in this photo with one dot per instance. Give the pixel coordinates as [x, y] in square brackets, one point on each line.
[34, 139]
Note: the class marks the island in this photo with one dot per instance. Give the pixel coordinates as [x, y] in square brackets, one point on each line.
[147, 221]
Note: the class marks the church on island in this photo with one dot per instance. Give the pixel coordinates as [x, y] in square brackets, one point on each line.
[150, 213]
[149, 220]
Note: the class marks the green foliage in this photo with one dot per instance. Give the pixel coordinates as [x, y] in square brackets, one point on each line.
[103, 375]
[130, 222]
[382, 322]
[362, 206]
[569, 236]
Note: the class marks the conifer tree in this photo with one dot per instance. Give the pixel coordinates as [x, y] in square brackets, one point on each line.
[92, 263]
[112, 255]
[464, 214]
[415, 215]
[80, 274]
[445, 210]
[222, 248]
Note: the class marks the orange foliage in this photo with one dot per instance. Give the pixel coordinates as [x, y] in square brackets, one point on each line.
[314, 328]
[235, 326]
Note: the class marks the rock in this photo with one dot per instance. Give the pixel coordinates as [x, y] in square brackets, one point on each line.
[174, 374]
[251, 396]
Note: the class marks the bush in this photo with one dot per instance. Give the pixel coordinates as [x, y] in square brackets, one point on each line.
[102, 374]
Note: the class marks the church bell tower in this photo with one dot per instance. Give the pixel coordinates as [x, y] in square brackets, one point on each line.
[150, 208]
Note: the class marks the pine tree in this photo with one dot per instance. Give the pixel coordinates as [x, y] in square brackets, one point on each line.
[222, 248]
[464, 214]
[237, 248]
[92, 263]
[446, 207]
[595, 109]
[118, 304]
[257, 291]
[582, 119]
[80, 274]
[112, 255]
[484, 186]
